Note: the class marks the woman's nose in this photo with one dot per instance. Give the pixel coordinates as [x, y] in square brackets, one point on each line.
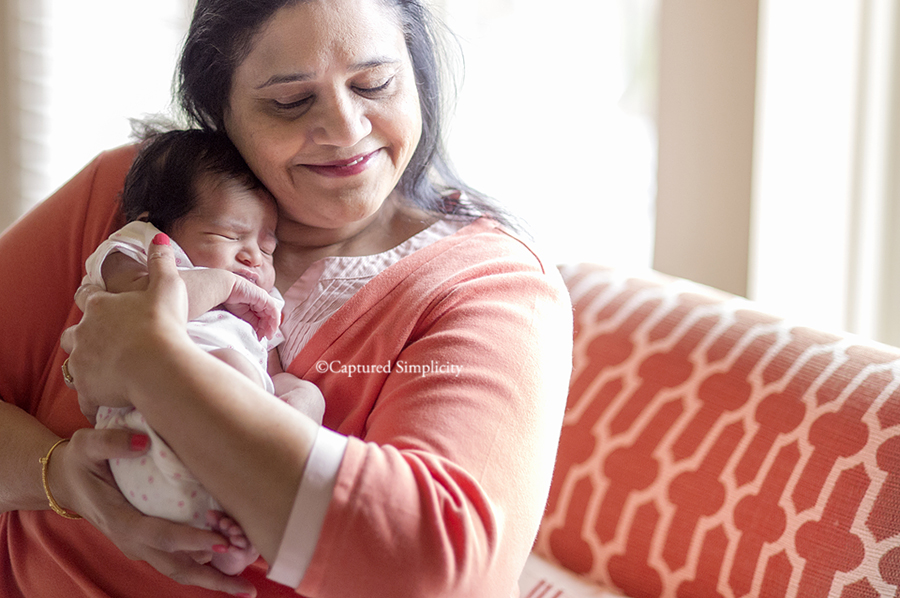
[342, 121]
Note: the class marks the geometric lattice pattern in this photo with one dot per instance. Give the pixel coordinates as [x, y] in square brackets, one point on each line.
[710, 450]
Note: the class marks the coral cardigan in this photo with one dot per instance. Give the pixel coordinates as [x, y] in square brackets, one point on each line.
[454, 425]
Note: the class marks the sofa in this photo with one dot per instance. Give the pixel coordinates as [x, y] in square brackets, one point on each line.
[711, 449]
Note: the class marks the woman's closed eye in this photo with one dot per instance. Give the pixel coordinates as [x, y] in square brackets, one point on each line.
[288, 105]
[292, 104]
[369, 90]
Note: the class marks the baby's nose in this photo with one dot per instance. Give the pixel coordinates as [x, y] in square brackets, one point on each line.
[250, 256]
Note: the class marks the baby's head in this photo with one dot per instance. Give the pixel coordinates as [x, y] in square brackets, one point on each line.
[194, 186]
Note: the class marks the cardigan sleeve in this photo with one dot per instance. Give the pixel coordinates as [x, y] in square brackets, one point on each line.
[443, 492]
[41, 265]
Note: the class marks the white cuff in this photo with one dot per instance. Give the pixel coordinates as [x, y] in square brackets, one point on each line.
[310, 506]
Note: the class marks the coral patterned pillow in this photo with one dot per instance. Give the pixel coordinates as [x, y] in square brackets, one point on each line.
[711, 450]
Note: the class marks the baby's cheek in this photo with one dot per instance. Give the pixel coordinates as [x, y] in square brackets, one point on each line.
[269, 276]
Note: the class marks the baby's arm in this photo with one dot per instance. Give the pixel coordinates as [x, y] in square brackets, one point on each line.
[303, 396]
[122, 273]
[207, 289]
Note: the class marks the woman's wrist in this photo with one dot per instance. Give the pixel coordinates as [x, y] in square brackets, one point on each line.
[156, 360]
[25, 442]
[45, 462]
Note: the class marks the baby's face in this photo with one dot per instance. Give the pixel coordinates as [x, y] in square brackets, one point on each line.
[232, 228]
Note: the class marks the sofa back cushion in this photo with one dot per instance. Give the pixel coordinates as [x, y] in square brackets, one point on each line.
[709, 449]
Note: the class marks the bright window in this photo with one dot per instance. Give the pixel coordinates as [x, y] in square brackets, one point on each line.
[557, 120]
[105, 61]
[555, 117]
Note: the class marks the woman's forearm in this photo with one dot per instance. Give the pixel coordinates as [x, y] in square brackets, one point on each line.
[247, 448]
[23, 440]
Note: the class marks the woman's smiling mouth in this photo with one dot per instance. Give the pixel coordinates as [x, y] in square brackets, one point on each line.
[344, 168]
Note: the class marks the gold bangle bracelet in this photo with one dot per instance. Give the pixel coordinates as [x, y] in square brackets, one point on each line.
[45, 468]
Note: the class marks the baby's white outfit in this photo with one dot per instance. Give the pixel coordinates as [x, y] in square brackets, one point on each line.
[158, 483]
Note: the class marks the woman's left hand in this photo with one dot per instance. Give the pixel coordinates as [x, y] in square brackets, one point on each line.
[84, 483]
[121, 332]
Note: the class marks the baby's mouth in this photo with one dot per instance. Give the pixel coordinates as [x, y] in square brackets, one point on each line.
[249, 276]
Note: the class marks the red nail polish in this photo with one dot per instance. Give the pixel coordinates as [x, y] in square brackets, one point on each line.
[161, 239]
[220, 548]
[139, 442]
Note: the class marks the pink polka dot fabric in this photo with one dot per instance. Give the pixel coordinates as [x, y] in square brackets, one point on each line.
[157, 483]
[711, 449]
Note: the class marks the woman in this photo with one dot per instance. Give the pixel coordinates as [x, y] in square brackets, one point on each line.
[441, 343]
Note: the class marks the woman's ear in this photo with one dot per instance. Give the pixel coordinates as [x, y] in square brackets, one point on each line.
[145, 217]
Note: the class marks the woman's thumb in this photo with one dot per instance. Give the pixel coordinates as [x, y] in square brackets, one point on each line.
[161, 259]
[165, 281]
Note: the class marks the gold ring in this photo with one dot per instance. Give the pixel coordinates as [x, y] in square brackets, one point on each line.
[65, 370]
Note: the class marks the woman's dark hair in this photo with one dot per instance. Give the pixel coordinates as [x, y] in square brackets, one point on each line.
[221, 36]
[163, 178]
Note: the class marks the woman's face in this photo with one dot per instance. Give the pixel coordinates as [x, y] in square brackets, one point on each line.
[325, 111]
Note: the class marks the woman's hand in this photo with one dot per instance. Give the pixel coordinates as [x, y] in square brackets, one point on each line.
[82, 482]
[121, 333]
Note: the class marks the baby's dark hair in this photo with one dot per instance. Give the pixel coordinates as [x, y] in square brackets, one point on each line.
[162, 181]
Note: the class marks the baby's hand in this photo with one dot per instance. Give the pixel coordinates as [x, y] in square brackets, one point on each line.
[302, 395]
[240, 552]
[209, 288]
[254, 305]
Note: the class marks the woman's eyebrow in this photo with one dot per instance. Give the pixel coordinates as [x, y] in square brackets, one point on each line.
[292, 78]
[354, 68]
[373, 63]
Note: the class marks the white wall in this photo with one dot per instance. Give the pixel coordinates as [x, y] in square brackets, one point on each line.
[9, 133]
[706, 125]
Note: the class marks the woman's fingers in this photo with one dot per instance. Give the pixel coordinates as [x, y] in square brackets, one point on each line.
[186, 571]
[82, 480]
[84, 293]
[160, 262]
[80, 470]
[103, 360]
[182, 553]
[102, 445]
[67, 344]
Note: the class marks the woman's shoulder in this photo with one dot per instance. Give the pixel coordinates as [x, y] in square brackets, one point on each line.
[90, 199]
[487, 241]
[93, 195]
[102, 178]
[116, 160]
[483, 256]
